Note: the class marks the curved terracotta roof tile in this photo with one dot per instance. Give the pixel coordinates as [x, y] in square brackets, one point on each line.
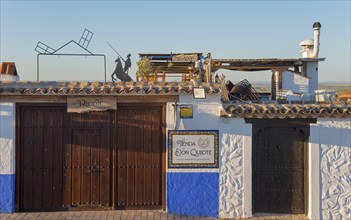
[286, 111]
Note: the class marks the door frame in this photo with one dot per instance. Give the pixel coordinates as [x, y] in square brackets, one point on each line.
[288, 123]
[113, 173]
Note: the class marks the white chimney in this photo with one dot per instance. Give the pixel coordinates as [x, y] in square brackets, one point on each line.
[310, 48]
[8, 72]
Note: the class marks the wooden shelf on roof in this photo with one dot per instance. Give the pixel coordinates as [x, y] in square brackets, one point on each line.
[172, 65]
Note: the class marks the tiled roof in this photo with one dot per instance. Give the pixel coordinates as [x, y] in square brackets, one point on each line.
[101, 88]
[275, 110]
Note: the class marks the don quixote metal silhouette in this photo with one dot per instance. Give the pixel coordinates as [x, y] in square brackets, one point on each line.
[121, 72]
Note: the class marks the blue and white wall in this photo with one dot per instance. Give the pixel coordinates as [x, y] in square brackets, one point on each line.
[226, 192]
[7, 157]
[223, 192]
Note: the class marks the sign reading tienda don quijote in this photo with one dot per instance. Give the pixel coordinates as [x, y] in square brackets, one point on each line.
[193, 149]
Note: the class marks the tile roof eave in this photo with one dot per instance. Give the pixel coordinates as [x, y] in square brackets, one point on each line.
[287, 111]
[101, 88]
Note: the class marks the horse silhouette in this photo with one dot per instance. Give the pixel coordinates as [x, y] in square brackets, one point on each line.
[119, 73]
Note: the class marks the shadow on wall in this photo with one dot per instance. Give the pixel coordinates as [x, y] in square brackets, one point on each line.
[333, 132]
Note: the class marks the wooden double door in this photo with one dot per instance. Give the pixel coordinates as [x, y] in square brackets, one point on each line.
[97, 160]
[279, 164]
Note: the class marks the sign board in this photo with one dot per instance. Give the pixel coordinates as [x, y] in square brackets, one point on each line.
[193, 149]
[186, 111]
[185, 58]
[89, 104]
[199, 93]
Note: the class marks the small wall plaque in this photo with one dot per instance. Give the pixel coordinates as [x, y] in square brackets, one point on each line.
[186, 111]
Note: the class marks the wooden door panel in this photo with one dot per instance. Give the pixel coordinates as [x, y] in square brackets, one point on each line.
[139, 158]
[130, 146]
[27, 162]
[64, 159]
[37, 159]
[121, 157]
[57, 159]
[67, 160]
[156, 158]
[139, 150]
[105, 170]
[91, 150]
[47, 159]
[278, 169]
[94, 170]
[148, 158]
[76, 162]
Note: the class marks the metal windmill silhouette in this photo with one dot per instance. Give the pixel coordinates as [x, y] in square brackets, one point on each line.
[84, 41]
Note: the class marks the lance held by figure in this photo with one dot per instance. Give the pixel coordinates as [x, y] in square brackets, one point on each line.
[121, 72]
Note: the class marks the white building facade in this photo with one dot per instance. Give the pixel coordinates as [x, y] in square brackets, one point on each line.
[224, 191]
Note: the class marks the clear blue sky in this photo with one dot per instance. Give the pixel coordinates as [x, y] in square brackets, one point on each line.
[227, 29]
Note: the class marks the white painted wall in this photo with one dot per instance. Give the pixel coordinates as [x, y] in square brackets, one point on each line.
[295, 82]
[329, 158]
[312, 73]
[330, 169]
[7, 138]
[235, 187]
[5, 77]
[205, 112]
[234, 152]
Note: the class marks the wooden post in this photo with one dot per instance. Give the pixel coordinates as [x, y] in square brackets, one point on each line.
[183, 77]
[164, 76]
[155, 77]
[276, 83]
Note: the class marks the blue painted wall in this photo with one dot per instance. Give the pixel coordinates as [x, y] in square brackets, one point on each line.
[7, 193]
[194, 194]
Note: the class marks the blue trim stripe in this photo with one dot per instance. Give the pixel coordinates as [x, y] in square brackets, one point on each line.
[7, 193]
[193, 194]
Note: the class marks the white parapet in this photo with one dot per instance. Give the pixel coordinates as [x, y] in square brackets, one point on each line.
[5, 77]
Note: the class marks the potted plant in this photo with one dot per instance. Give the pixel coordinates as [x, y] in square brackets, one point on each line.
[145, 69]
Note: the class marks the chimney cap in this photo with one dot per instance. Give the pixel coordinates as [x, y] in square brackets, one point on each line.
[317, 25]
[8, 68]
[308, 42]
